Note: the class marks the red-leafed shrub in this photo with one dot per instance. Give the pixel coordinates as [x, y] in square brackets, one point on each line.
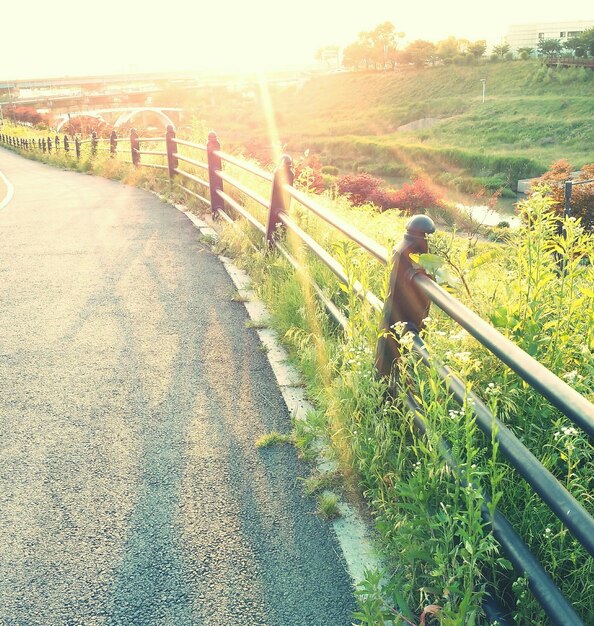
[582, 195]
[415, 196]
[25, 114]
[411, 197]
[360, 187]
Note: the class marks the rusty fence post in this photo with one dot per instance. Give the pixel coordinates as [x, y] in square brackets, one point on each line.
[134, 147]
[77, 147]
[214, 165]
[279, 198]
[94, 142]
[405, 303]
[171, 146]
[113, 144]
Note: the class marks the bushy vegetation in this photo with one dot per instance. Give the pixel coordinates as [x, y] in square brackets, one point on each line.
[441, 556]
[582, 193]
[24, 114]
[411, 198]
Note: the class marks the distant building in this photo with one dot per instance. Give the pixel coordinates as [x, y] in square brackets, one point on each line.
[528, 35]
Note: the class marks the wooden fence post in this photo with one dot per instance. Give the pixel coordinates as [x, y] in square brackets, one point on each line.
[214, 165]
[49, 145]
[279, 198]
[405, 303]
[134, 147]
[94, 142]
[57, 143]
[66, 144]
[171, 147]
[43, 144]
[77, 147]
[113, 144]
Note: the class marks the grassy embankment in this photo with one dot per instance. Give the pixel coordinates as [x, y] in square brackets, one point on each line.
[532, 116]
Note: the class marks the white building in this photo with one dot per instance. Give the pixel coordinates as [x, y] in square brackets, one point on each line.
[528, 35]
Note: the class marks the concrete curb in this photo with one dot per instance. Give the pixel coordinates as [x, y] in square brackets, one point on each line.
[352, 532]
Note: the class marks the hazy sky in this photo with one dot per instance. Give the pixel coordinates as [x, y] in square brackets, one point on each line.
[69, 37]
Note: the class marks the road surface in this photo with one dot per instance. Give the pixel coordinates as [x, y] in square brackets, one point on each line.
[131, 394]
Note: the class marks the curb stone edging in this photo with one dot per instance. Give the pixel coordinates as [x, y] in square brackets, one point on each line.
[352, 532]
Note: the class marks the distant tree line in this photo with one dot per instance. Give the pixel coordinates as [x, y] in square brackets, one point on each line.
[379, 49]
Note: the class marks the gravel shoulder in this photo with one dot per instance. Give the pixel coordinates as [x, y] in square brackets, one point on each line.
[131, 395]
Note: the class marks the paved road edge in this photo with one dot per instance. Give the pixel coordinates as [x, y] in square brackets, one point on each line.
[353, 533]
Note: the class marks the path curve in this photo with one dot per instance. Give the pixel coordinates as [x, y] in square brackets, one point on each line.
[131, 394]
[6, 191]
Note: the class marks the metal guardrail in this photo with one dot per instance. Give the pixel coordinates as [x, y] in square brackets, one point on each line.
[568, 189]
[411, 292]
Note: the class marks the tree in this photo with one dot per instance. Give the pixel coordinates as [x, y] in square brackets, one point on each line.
[384, 41]
[525, 53]
[477, 49]
[375, 48]
[353, 55]
[549, 47]
[501, 49]
[583, 44]
[421, 52]
[450, 48]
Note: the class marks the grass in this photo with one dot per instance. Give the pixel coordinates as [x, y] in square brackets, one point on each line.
[328, 506]
[320, 481]
[438, 547]
[273, 438]
[257, 324]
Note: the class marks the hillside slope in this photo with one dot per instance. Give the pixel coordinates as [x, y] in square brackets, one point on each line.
[532, 116]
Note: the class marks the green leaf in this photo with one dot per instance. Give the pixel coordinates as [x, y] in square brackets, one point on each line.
[430, 262]
[443, 276]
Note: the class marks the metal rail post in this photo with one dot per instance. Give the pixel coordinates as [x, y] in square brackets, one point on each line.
[134, 147]
[214, 165]
[113, 143]
[568, 190]
[405, 303]
[279, 198]
[170, 144]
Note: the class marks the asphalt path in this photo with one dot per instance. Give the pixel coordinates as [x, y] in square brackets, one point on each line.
[131, 394]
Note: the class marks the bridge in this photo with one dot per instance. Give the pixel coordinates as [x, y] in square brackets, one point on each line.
[117, 117]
